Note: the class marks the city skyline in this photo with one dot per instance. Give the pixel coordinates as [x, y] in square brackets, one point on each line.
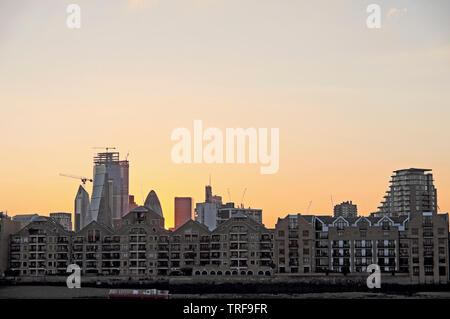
[352, 104]
[170, 214]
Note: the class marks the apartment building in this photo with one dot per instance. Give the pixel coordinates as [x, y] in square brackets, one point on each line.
[346, 209]
[7, 227]
[239, 246]
[410, 191]
[42, 247]
[415, 244]
[143, 248]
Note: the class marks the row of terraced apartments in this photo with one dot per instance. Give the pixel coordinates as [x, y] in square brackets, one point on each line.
[142, 247]
[415, 246]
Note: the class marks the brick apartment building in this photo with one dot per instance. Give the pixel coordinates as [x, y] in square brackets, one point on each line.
[414, 245]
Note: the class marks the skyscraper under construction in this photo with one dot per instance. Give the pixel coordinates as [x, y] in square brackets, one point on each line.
[109, 200]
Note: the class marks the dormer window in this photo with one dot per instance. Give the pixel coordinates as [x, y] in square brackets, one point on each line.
[340, 225]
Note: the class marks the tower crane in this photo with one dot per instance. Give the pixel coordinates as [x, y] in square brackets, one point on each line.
[242, 199]
[83, 179]
[309, 206]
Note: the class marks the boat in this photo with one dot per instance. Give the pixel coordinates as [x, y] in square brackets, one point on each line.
[138, 294]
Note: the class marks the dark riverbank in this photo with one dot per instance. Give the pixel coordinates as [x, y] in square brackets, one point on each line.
[56, 288]
[62, 292]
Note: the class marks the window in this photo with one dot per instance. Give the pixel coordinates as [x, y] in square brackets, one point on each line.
[428, 270]
[305, 233]
[340, 224]
[415, 231]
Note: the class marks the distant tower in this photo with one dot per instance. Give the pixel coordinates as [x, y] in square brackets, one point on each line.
[102, 199]
[153, 203]
[64, 219]
[346, 209]
[81, 208]
[183, 210]
[111, 172]
[209, 198]
[208, 194]
[131, 203]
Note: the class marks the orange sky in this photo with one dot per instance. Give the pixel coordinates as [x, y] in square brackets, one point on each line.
[352, 104]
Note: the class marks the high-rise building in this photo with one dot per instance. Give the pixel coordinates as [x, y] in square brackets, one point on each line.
[346, 209]
[131, 203]
[210, 198]
[64, 219]
[82, 210]
[411, 191]
[111, 178]
[153, 203]
[213, 212]
[183, 210]
[101, 200]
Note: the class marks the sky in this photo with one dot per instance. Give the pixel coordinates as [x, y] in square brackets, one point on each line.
[352, 104]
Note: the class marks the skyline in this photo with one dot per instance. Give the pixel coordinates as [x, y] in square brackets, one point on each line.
[352, 104]
[226, 199]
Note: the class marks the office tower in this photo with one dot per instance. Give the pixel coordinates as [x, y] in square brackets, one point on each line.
[64, 219]
[209, 198]
[212, 212]
[206, 214]
[131, 203]
[411, 191]
[82, 210]
[117, 172]
[153, 203]
[7, 227]
[183, 210]
[345, 209]
[102, 197]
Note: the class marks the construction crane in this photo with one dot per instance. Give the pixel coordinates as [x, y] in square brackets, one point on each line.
[242, 199]
[229, 194]
[309, 206]
[83, 179]
[105, 147]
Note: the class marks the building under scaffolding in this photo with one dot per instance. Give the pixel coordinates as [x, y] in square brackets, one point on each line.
[109, 201]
